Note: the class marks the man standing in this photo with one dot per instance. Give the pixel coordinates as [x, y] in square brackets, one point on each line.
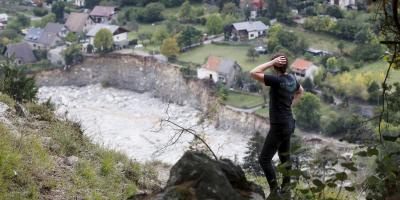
[284, 91]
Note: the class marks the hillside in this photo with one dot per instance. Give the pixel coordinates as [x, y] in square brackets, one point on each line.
[42, 157]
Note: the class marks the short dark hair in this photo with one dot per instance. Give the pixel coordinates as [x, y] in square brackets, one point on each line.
[283, 68]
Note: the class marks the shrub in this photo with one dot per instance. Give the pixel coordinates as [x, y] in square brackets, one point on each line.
[40, 12]
[41, 111]
[16, 84]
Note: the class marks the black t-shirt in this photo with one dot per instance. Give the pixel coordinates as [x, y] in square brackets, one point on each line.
[281, 94]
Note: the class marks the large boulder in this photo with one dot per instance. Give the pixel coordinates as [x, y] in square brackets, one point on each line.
[197, 176]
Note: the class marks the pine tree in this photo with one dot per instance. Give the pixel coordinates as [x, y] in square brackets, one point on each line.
[254, 147]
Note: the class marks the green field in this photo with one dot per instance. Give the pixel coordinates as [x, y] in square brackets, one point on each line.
[321, 40]
[263, 112]
[241, 100]
[238, 53]
[379, 69]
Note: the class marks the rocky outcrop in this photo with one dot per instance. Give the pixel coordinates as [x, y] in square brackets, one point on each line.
[196, 176]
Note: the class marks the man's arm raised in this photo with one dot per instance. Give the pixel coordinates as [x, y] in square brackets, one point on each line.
[258, 72]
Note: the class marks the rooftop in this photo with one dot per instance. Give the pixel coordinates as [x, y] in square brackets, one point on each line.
[301, 64]
[76, 21]
[218, 64]
[92, 32]
[250, 26]
[21, 51]
[104, 11]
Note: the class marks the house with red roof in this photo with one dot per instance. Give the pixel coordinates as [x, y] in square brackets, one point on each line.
[303, 68]
[219, 69]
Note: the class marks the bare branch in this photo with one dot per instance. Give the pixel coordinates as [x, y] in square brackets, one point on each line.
[179, 131]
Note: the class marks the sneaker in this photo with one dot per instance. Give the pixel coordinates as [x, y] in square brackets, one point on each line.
[275, 195]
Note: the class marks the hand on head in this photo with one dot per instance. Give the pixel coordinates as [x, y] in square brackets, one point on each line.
[280, 61]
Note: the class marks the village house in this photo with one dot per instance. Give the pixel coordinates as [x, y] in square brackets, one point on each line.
[120, 35]
[47, 37]
[79, 3]
[3, 18]
[78, 22]
[219, 70]
[102, 14]
[253, 4]
[303, 68]
[248, 30]
[343, 3]
[318, 52]
[21, 53]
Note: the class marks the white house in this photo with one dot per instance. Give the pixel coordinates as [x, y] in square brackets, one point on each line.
[120, 35]
[79, 3]
[343, 3]
[248, 30]
[219, 70]
[3, 18]
[303, 68]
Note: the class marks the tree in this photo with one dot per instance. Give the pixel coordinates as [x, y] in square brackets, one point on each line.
[308, 111]
[46, 19]
[308, 84]
[334, 11]
[170, 47]
[363, 36]
[252, 53]
[229, 9]
[189, 36]
[103, 40]
[23, 20]
[160, 35]
[73, 55]
[214, 24]
[331, 64]
[58, 9]
[151, 13]
[185, 12]
[71, 37]
[40, 12]
[254, 147]
[374, 92]
[16, 84]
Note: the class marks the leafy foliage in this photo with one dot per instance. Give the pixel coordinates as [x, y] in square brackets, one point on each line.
[103, 40]
[308, 111]
[17, 84]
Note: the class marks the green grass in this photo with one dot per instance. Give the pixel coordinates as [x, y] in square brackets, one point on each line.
[31, 167]
[321, 40]
[241, 100]
[379, 69]
[263, 112]
[238, 53]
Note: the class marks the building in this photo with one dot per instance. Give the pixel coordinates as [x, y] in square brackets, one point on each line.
[253, 4]
[77, 22]
[3, 18]
[219, 70]
[21, 53]
[79, 3]
[303, 68]
[120, 35]
[102, 14]
[343, 3]
[47, 37]
[318, 52]
[248, 30]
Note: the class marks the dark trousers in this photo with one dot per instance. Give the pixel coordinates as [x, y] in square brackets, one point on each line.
[278, 139]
